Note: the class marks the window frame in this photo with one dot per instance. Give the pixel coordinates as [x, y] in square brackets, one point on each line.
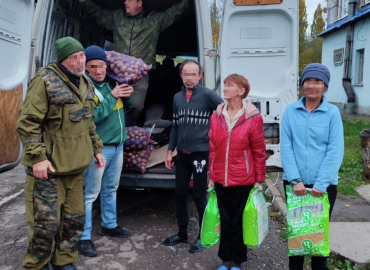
[342, 9]
[335, 54]
[360, 64]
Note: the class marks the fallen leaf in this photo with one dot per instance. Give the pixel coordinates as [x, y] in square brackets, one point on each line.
[272, 215]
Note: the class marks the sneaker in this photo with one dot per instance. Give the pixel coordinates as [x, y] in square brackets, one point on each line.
[222, 267]
[65, 267]
[87, 248]
[174, 240]
[47, 266]
[196, 247]
[115, 232]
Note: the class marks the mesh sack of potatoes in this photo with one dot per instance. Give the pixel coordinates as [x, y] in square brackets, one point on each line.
[137, 149]
[126, 69]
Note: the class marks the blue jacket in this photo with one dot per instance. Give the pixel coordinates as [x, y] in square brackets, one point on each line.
[312, 145]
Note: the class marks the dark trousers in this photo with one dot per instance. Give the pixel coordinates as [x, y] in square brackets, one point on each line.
[139, 94]
[231, 203]
[317, 263]
[195, 163]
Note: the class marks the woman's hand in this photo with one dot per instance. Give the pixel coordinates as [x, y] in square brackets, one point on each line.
[257, 184]
[317, 193]
[300, 189]
[211, 183]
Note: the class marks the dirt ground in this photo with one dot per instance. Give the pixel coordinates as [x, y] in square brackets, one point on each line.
[150, 216]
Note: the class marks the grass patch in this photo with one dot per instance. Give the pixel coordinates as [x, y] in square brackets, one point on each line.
[338, 262]
[351, 172]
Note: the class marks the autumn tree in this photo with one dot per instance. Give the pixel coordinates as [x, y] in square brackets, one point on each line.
[303, 24]
[216, 11]
[318, 24]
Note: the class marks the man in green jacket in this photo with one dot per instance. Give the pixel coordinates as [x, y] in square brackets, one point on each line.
[135, 33]
[59, 138]
[111, 99]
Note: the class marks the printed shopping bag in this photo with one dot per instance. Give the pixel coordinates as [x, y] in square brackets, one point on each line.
[307, 224]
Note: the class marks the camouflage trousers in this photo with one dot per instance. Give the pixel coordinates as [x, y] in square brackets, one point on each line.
[56, 215]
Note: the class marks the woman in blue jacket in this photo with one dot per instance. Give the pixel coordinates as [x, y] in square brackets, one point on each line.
[312, 145]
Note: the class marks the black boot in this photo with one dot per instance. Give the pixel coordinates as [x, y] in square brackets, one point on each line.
[196, 247]
[87, 248]
[115, 232]
[181, 237]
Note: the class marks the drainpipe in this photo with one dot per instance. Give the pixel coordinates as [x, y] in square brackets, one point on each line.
[346, 81]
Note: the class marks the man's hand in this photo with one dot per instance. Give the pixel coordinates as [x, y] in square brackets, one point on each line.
[316, 193]
[168, 162]
[100, 161]
[300, 189]
[122, 91]
[40, 169]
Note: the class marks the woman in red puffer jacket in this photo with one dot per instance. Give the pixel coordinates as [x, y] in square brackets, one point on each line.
[237, 164]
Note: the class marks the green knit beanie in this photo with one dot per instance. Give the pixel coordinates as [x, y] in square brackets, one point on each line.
[66, 46]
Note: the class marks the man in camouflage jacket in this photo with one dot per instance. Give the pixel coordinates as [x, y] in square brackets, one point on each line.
[59, 138]
[135, 33]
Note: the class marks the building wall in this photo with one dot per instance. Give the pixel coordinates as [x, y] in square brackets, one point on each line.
[337, 40]
[361, 40]
[334, 41]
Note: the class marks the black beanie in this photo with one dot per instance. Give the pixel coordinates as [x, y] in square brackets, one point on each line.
[95, 53]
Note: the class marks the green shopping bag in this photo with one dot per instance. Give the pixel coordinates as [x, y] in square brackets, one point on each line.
[211, 225]
[255, 219]
[307, 224]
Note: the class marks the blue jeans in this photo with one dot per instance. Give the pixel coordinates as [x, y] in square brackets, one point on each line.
[104, 180]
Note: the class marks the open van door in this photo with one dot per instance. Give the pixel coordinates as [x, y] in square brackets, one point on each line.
[15, 43]
[259, 40]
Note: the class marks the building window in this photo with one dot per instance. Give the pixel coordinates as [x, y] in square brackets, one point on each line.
[359, 75]
[338, 56]
[342, 6]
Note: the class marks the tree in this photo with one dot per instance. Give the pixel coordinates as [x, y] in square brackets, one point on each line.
[318, 24]
[216, 11]
[303, 24]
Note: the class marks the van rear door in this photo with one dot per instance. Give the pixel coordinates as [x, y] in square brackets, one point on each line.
[15, 43]
[259, 40]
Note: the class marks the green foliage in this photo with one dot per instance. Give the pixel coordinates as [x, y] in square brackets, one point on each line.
[310, 48]
[318, 24]
[338, 262]
[351, 172]
[216, 11]
[303, 24]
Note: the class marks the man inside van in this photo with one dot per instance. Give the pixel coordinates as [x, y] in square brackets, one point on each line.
[110, 99]
[135, 33]
[192, 110]
[59, 139]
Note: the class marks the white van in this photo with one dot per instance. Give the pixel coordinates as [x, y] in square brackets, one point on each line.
[258, 39]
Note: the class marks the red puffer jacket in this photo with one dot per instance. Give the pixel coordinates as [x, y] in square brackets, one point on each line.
[239, 157]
